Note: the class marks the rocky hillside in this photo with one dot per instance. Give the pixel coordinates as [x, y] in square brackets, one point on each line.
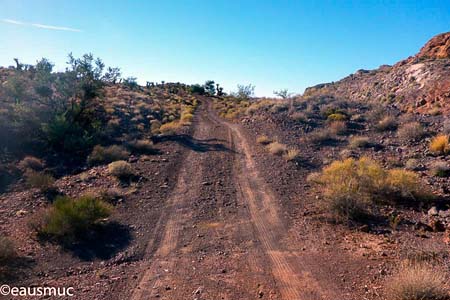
[419, 83]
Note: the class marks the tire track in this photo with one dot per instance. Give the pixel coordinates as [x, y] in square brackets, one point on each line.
[293, 281]
[177, 213]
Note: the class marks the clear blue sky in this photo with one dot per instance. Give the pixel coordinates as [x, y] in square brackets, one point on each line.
[271, 44]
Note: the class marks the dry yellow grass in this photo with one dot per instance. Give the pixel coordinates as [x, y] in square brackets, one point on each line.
[350, 186]
[263, 140]
[440, 144]
[277, 148]
[169, 128]
[418, 282]
[291, 155]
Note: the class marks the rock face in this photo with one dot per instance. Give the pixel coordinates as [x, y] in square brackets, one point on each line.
[419, 83]
[437, 47]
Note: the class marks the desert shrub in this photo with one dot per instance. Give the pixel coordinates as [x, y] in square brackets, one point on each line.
[42, 181]
[169, 128]
[417, 282]
[412, 164]
[277, 148]
[121, 169]
[440, 168]
[63, 133]
[337, 117]
[404, 183]
[338, 127]
[299, 117]
[440, 144]
[154, 127]
[321, 136]
[291, 155]
[359, 142]
[263, 140]
[7, 250]
[435, 111]
[142, 145]
[31, 163]
[70, 219]
[411, 131]
[197, 89]
[350, 186]
[101, 155]
[187, 118]
[386, 124]
[279, 107]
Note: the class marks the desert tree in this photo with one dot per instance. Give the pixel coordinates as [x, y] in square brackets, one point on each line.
[245, 91]
[209, 87]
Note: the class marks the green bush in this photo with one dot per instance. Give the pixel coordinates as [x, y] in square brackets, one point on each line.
[102, 155]
[70, 219]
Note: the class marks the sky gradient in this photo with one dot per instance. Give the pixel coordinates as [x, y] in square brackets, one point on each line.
[271, 44]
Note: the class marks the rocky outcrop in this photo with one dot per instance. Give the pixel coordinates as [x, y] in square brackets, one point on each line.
[419, 83]
[437, 47]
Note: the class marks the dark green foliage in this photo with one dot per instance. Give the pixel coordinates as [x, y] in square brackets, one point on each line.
[197, 89]
[130, 82]
[209, 87]
[70, 219]
[60, 111]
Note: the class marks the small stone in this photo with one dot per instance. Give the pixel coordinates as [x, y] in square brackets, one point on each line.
[433, 211]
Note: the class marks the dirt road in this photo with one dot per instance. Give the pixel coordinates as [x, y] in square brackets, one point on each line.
[221, 235]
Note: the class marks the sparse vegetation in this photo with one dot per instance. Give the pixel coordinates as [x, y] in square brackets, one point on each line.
[359, 142]
[169, 128]
[412, 164]
[121, 169]
[412, 131]
[351, 186]
[42, 181]
[276, 148]
[141, 146]
[440, 169]
[338, 127]
[299, 117]
[440, 144]
[69, 219]
[263, 140]
[418, 282]
[291, 155]
[31, 163]
[103, 155]
[321, 136]
[386, 123]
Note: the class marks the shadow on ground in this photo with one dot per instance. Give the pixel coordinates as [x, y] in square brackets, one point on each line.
[102, 243]
[196, 144]
[15, 269]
